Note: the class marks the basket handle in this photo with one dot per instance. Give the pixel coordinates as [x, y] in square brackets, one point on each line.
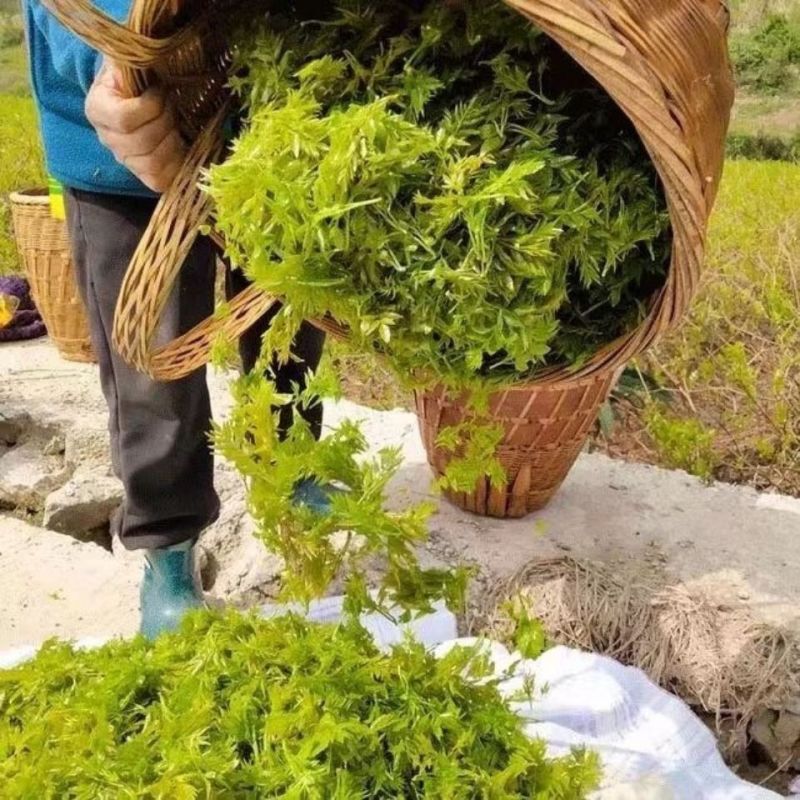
[155, 267]
[181, 211]
[124, 44]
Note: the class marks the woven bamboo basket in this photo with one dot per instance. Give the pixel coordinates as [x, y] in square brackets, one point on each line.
[43, 244]
[664, 62]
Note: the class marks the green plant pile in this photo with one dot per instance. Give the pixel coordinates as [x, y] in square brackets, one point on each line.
[237, 707]
[451, 187]
[425, 177]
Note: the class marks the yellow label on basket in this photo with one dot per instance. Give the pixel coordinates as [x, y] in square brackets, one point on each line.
[57, 207]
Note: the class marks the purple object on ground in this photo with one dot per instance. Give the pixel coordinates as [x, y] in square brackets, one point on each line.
[18, 287]
[27, 322]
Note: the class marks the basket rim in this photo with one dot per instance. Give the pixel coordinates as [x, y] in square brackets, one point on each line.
[604, 39]
[36, 196]
[531, 383]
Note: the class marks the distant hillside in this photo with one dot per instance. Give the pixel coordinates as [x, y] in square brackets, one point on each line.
[750, 13]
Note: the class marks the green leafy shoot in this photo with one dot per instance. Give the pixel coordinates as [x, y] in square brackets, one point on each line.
[473, 444]
[529, 636]
[404, 172]
[321, 548]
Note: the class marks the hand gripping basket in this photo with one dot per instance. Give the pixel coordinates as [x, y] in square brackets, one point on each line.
[664, 62]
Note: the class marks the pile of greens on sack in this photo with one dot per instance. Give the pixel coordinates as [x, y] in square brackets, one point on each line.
[236, 707]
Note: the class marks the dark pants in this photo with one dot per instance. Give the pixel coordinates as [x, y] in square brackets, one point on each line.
[159, 431]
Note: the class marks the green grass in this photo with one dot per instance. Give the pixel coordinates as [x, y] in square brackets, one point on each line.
[765, 44]
[749, 14]
[20, 166]
[21, 163]
[732, 370]
[14, 71]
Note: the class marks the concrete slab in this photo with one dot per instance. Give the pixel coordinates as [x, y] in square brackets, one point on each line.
[740, 546]
[53, 585]
[744, 548]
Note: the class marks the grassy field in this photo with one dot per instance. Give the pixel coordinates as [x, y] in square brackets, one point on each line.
[721, 396]
[765, 43]
[20, 165]
[20, 151]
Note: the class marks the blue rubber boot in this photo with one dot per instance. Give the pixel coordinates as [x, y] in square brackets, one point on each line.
[314, 495]
[168, 589]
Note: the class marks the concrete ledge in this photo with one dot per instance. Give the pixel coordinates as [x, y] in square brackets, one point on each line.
[741, 546]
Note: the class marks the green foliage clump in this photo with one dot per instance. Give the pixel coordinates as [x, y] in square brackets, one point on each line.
[237, 707]
[764, 147]
[319, 548]
[683, 443]
[422, 177]
[767, 58]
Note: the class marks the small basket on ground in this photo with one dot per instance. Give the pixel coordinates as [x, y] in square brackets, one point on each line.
[664, 62]
[544, 431]
[44, 247]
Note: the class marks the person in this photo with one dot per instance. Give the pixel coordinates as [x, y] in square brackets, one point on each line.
[114, 155]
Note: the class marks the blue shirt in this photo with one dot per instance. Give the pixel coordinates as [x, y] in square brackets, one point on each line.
[62, 71]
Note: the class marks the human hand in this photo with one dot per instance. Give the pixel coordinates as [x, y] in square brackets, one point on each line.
[141, 132]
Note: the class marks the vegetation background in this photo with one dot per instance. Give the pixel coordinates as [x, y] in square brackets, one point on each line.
[721, 396]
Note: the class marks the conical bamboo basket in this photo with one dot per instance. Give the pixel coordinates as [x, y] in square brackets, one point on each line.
[43, 244]
[664, 62]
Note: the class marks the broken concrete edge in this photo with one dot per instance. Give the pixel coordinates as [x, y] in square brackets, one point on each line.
[28, 476]
[84, 504]
[63, 474]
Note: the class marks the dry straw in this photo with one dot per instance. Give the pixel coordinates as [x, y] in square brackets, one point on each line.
[714, 656]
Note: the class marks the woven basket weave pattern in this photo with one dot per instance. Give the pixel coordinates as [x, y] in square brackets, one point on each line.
[665, 63]
[545, 430]
[44, 247]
